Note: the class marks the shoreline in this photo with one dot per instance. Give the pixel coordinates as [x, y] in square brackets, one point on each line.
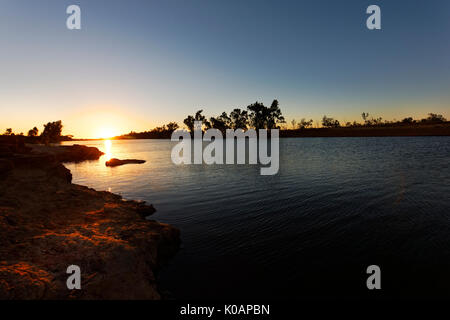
[414, 130]
[381, 131]
[47, 223]
[419, 130]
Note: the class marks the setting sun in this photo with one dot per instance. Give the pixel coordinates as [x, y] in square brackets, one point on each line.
[96, 121]
[106, 133]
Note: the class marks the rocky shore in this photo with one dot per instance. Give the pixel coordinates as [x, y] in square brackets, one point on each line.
[47, 224]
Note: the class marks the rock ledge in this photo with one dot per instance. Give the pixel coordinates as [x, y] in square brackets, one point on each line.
[47, 223]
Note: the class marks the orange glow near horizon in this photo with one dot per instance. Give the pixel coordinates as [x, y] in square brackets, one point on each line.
[103, 120]
[100, 122]
[107, 132]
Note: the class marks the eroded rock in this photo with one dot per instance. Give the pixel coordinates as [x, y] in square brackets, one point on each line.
[48, 223]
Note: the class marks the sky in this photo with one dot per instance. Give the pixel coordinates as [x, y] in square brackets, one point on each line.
[137, 64]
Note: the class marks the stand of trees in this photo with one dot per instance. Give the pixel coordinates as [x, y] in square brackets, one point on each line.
[52, 133]
[257, 116]
[432, 118]
[33, 132]
[328, 122]
[163, 132]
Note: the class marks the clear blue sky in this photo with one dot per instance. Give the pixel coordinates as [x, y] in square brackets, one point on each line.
[138, 64]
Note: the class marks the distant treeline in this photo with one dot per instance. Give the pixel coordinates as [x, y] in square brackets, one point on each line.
[258, 116]
[375, 122]
[52, 133]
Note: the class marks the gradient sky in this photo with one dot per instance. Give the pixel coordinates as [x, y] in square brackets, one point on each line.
[139, 64]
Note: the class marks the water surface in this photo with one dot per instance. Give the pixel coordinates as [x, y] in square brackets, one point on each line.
[336, 206]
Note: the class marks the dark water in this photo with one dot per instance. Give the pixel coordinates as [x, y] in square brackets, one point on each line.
[336, 206]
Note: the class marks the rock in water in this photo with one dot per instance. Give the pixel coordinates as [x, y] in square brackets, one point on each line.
[117, 162]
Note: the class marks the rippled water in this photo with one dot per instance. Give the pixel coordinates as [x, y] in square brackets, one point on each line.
[336, 206]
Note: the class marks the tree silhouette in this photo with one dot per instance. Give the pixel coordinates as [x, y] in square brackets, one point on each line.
[365, 116]
[274, 115]
[239, 119]
[258, 114]
[330, 122]
[172, 126]
[305, 124]
[52, 132]
[262, 117]
[294, 124]
[33, 132]
[189, 121]
[8, 132]
[221, 122]
[436, 118]
[408, 120]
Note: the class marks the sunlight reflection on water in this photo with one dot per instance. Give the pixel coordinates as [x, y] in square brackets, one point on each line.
[108, 153]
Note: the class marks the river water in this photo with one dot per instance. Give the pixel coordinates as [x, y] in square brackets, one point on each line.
[336, 206]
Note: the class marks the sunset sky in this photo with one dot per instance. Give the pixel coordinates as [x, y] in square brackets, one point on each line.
[136, 64]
